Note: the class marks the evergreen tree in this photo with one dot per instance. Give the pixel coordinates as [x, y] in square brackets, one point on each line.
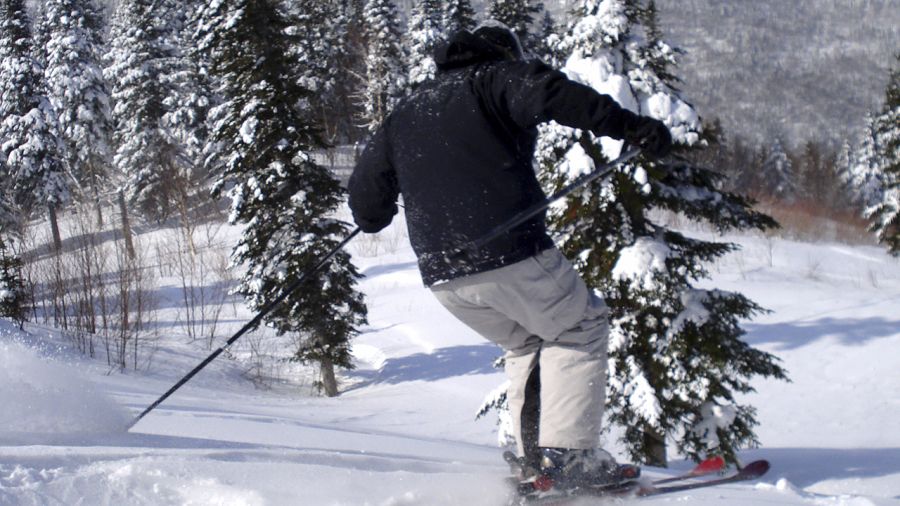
[545, 39]
[30, 147]
[658, 56]
[842, 166]
[144, 63]
[284, 199]
[77, 89]
[777, 174]
[423, 33]
[519, 16]
[385, 77]
[866, 179]
[12, 288]
[458, 15]
[184, 123]
[677, 360]
[886, 216]
[325, 28]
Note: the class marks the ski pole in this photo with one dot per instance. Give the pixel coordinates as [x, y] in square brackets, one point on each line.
[598, 172]
[249, 325]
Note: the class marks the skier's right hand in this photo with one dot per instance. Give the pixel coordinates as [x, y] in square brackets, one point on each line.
[651, 135]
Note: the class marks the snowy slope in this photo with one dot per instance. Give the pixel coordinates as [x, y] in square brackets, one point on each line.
[403, 432]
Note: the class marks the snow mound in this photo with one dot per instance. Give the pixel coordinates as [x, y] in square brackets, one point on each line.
[43, 397]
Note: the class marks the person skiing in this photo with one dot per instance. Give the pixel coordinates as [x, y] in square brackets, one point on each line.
[459, 149]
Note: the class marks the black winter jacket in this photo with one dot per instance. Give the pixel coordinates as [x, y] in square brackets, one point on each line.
[460, 151]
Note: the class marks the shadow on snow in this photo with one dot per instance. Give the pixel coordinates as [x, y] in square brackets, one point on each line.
[441, 364]
[849, 331]
[805, 467]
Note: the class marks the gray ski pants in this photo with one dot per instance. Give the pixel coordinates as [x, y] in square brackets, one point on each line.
[555, 333]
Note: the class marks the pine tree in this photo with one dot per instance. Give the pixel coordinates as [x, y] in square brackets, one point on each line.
[184, 123]
[458, 15]
[385, 76]
[30, 146]
[886, 216]
[777, 174]
[12, 288]
[423, 33]
[519, 16]
[284, 199]
[842, 165]
[545, 39]
[78, 91]
[325, 28]
[676, 357]
[144, 61]
[866, 178]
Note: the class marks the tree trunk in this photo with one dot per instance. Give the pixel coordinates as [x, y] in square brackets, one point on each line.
[99, 209]
[126, 226]
[655, 445]
[329, 382]
[54, 227]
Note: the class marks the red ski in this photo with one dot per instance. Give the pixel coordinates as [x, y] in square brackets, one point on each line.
[712, 465]
[751, 471]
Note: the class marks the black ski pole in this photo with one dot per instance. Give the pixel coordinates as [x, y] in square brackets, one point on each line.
[604, 170]
[249, 325]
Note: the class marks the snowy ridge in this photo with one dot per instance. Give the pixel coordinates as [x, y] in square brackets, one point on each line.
[403, 432]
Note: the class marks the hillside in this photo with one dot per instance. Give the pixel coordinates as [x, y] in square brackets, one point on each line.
[803, 69]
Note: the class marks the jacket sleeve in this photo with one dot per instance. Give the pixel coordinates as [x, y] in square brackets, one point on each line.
[532, 93]
[373, 186]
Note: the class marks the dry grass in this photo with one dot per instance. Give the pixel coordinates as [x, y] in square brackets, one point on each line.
[815, 222]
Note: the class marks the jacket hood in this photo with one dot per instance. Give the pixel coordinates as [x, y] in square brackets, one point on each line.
[464, 48]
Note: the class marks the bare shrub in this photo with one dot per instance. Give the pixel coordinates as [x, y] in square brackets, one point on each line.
[198, 260]
[91, 289]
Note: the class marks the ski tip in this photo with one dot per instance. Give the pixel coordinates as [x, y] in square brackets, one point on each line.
[756, 468]
[710, 465]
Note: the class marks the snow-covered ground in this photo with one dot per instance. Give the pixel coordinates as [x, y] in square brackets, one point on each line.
[403, 433]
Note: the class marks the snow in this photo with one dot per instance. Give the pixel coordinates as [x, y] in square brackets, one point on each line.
[44, 397]
[403, 432]
[639, 261]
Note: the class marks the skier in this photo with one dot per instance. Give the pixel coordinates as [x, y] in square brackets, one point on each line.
[460, 150]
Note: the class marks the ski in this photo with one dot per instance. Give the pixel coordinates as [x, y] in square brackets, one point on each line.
[527, 491]
[751, 471]
[709, 466]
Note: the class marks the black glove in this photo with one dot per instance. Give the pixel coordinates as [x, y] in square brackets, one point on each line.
[651, 135]
[374, 224]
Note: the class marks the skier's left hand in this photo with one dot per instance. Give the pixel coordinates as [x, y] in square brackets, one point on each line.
[651, 135]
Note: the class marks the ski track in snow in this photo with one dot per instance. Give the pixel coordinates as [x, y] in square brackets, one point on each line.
[403, 432]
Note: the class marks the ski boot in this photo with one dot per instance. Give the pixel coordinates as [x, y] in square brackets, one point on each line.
[565, 470]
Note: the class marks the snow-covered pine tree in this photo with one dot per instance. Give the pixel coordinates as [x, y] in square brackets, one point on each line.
[886, 216]
[78, 91]
[866, 180]
[143, 59]
[777, 174]
[184, 123]
[423, 33]
[458, 15]
[519, 16]
[545, 39]
[30, 146]
[385, 75]
[12, 288]
[323, 28]
[285, 200]
[677, 360]
[842, 165]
